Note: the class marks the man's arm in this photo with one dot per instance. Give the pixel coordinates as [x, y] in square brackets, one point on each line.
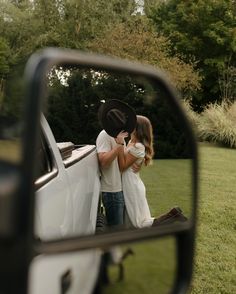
[106, 158]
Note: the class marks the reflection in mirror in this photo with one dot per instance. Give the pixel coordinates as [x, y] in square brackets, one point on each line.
[68, 180]
[146, 267]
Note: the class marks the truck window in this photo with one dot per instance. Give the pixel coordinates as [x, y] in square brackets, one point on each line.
[45, 160]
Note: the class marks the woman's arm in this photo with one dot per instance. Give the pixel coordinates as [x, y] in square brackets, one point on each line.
[125, 160]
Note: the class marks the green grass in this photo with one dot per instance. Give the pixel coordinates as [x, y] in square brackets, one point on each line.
[152, 267]
[168, 184]
[215, 262]
[150, 270]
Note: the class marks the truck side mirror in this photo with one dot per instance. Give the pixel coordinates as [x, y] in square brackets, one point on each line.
[65, 90]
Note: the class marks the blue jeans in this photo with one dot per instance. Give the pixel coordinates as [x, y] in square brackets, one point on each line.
[114, 204]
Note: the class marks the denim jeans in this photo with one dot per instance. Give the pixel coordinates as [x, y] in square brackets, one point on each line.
[114, 204]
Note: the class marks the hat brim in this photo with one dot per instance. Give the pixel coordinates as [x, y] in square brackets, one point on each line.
[123, 107]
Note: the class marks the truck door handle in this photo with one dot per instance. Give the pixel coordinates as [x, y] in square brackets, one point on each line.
[66, 281]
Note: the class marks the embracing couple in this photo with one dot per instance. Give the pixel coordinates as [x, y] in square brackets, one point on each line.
[123, 192]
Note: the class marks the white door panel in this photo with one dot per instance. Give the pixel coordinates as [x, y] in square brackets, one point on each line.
[46, 272]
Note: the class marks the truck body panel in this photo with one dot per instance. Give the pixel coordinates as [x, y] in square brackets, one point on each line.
[66, 205]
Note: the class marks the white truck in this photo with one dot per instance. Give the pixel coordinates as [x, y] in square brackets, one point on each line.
[67, 200]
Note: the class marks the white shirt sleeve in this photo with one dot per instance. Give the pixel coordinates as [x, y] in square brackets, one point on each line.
[103, 142]
[138, 150]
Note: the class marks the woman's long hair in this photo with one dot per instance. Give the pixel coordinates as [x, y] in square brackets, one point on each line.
[144, 134]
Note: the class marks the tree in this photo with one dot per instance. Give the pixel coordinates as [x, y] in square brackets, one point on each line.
[95, 17]
[4, 66]
[203, 30]
[26, 26]
[74, 106]
[136, 40]
[31, 25]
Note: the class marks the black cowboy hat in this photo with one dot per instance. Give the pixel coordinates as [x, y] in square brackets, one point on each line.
[116, 116]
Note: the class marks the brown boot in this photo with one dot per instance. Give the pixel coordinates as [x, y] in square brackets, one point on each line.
[175, 214]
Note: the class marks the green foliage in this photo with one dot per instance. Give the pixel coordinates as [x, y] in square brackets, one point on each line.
[73, 109]
[227, 81]
[26, 26]
[203, 30]
[136, 40]
[192, 115]
[4, 67]
[4, 58]
[216, 123]
[96, 16]
[31, 25]
[102, 27]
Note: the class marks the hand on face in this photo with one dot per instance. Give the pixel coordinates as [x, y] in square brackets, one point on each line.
[120, 139]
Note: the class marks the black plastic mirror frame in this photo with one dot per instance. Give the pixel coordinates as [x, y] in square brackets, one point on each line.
[35, 74]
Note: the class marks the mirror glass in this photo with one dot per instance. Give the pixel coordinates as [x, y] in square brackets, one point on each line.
[68, 184]
[146, 267]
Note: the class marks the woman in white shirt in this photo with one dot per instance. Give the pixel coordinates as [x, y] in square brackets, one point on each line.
[140, 151]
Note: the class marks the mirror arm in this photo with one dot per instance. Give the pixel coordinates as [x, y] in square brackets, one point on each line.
[106, 240]
[185, 255]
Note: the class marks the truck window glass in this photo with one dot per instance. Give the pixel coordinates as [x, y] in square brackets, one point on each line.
[45, 162]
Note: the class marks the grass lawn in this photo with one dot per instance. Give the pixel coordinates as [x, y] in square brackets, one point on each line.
[168, 184]
[151, 269]
[215, 262]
